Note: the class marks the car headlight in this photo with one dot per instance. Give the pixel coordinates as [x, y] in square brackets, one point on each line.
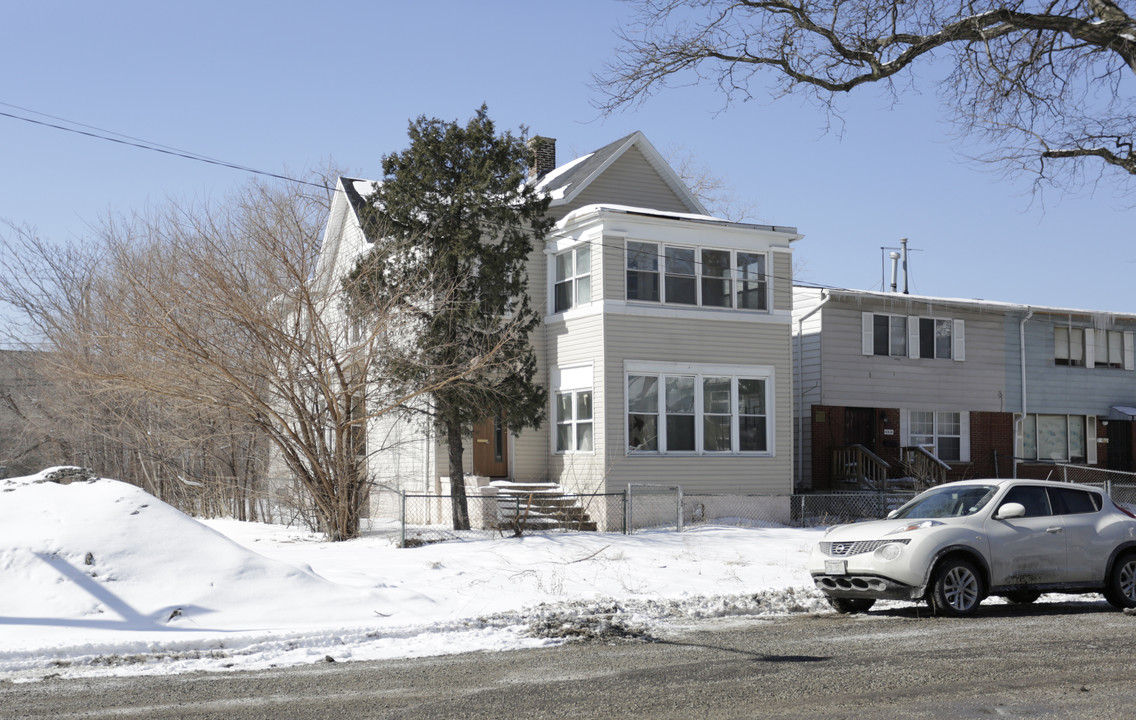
[921, 525]
[889, 552]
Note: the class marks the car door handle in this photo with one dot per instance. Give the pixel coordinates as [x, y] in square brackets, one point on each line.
[1055, 529]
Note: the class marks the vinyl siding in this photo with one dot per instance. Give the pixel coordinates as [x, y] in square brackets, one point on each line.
[781, 280]
[657, 339]
[573, 343]
[853, 379]
[1059, 389]
[807, 378]
[630, 180]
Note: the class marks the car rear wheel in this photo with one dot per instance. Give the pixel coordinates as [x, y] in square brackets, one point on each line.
[1121, 589]
[1022, 597]
[851, 605]
[957, 589]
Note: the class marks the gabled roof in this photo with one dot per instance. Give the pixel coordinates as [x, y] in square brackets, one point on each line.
[566, 182]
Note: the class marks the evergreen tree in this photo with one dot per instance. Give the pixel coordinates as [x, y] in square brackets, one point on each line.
[455, 221]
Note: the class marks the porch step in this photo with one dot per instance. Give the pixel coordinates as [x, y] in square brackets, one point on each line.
[540, 506]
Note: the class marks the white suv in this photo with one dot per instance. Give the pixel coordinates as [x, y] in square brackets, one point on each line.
[961, 542]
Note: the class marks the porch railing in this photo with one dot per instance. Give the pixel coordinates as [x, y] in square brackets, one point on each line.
[924, 467]
[857, 467]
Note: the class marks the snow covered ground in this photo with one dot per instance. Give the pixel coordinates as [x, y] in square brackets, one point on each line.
[100, 578]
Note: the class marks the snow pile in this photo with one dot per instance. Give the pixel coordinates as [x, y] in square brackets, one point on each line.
[101, 578]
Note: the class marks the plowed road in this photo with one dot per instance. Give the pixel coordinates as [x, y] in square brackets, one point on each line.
[1051, 660]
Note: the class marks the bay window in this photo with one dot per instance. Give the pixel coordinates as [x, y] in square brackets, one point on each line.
[705, 277]
[698, 410]
[573, 286]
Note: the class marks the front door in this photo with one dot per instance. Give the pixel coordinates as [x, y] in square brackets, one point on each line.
[860, 427]
[491, 448]
[1120, 445]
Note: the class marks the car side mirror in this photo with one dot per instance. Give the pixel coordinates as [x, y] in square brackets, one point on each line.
[1010, 510]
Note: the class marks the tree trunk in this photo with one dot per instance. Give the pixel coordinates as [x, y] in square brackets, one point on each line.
[457, 477]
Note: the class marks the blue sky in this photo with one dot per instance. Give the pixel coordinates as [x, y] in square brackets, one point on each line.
[288, 86]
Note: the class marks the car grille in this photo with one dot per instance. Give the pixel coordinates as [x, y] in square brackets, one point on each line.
[858, 547]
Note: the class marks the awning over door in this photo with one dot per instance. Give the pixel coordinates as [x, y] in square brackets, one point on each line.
[1122, 412]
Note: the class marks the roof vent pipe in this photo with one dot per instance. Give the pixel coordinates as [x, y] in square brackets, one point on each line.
[903, 246]
[894, 269]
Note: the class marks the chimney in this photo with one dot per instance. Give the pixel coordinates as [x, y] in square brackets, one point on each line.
[543, 151]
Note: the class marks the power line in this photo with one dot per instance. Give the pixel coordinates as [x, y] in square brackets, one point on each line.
[143, 144]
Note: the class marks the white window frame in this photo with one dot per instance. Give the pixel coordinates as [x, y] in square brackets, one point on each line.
[700, 373]
[734, 278]
[1087, 422]
[572, 380]
[957, 333]
[1110, 349]
[574, 280]
[906, 433]
[1071, 345]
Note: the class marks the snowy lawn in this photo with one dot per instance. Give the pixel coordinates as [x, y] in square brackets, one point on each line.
[102, 578]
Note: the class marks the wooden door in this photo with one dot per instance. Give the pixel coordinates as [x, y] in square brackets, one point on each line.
[491, 448]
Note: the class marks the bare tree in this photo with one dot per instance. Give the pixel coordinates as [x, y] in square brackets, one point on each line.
[1048, 84]
[712, 190]
[222, 315]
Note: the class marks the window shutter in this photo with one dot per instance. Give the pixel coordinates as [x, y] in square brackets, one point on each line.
[964, 437]
[958, 341]
[1091, 440]
[866, 325]
[1090, 348]
[912, 337]
[904, 427]
[1129, 361]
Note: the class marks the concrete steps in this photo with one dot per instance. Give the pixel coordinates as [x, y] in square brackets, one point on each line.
[540, 506]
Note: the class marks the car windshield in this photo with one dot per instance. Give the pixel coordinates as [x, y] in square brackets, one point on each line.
[948, 501]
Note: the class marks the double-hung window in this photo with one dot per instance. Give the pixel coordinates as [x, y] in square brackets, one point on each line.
[935, 338]
[889, 335]
[939, 432]
[1058, 438]
[706, 277]
[690, 411]
[573, 285]
[574, 421]
[1068, 346]
[1109, 349]
[752, 289]
[642, 271]
[572, 408]
[930, 338]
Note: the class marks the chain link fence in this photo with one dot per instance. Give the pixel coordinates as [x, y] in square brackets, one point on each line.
[839, 508]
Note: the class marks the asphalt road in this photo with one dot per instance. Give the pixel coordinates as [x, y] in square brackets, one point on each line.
[1067, 660]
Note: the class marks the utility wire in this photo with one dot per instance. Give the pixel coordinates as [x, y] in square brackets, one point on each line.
[144, 144]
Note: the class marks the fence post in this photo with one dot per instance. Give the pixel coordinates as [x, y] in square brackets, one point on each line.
[623, 515]
[678, 498]
[402, 519]
[629, 514]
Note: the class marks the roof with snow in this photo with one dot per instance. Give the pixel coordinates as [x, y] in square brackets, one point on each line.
[976, 304]
[567, 181]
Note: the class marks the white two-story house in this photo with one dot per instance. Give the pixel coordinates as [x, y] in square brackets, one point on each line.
[665, 345]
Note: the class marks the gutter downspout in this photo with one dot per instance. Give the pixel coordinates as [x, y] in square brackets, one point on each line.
[1019, 430]
[825, 297]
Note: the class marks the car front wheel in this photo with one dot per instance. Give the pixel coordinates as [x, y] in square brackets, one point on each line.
[851, 605]
[956, 590]
[1121, 589]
